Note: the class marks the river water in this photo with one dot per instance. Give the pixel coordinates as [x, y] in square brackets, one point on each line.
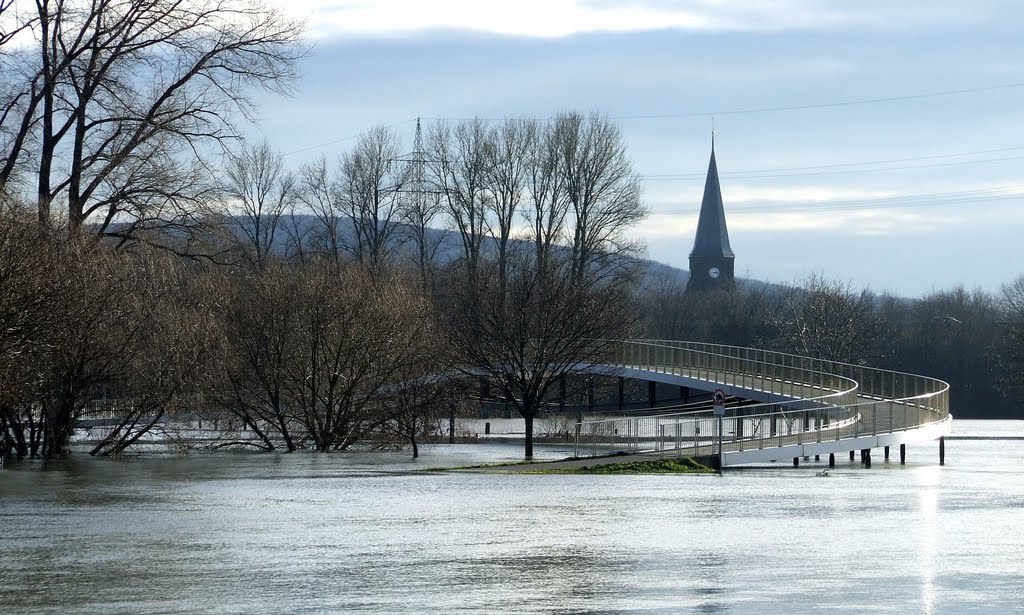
[370, 533]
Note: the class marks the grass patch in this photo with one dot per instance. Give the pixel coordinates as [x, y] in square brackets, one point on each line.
[680, 465]
[485, 466]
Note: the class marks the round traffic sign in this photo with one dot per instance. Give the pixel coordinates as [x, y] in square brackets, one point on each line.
[719, 397]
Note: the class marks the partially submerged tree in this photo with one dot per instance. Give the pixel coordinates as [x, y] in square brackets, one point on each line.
[317, 352]
[526, 335]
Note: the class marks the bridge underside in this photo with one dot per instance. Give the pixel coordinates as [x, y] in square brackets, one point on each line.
[732, 390]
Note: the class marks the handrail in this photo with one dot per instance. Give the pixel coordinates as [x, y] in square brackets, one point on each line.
[821, 401]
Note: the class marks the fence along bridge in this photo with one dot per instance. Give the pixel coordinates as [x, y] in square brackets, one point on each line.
[808, 406]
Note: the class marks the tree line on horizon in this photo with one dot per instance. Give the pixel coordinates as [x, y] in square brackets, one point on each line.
[153, 260]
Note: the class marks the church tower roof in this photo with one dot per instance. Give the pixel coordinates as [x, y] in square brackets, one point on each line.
[712, 239]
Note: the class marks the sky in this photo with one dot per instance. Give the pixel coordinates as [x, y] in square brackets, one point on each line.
[877, 143]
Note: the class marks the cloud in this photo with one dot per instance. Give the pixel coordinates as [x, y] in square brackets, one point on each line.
[559, 18]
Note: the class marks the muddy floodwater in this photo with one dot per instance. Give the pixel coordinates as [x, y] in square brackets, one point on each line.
[372, 533]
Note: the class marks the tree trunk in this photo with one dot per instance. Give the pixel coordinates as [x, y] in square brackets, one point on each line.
[412, 438]
[528, 417]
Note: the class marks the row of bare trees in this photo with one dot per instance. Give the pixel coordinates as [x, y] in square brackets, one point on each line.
[566, 182]
[972, 339]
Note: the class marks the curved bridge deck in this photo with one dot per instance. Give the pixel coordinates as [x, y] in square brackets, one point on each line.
[809, 406]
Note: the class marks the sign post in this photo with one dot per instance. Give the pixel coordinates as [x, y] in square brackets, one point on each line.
[718, 399]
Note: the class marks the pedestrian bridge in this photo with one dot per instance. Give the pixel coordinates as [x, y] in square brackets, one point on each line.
[807, 406]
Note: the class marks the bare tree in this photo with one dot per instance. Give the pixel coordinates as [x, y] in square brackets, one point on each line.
[10, 23]
[371, 184]
[509, 147]
[355, 333]
[459, 169]
[601, 187]
[320, 195]
[121, 98]
[317, 353]
[549, 206]
[828, 320]
[169, 354]
[421, 210]
[541, 326]
[259, 328]
[263, 190]
[29, 302]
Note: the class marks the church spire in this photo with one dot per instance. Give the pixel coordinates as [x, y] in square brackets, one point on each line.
[712, 234]
[712, 259]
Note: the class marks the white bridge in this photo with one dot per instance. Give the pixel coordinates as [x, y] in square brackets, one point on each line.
[808, 406]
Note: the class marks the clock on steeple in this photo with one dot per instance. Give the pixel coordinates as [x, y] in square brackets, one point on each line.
[711, 260]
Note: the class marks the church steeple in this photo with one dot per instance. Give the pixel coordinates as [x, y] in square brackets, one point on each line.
[712, 259]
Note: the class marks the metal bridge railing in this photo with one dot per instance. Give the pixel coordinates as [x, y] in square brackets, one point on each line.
[825, 400]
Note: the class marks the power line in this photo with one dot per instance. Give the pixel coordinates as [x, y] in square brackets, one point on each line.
[893, 202]
[845, 103]
[845, 164]
[343, 139]
[742, 175]
[824, 105]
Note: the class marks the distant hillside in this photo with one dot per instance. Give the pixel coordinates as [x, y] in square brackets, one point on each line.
[450, 246]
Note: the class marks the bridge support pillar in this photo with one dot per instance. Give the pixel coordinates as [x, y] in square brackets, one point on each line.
[622, 392]
[831, 460]
[651, 392]
[903, 454]
[684, 394]
[867, 458]
[942, 450]
[886, 453]
[817, 457]
[796, 462]
[851, 455]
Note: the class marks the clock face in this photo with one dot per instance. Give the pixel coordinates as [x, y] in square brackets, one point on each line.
[714, 272]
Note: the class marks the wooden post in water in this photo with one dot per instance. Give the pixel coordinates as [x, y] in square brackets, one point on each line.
[942, 450]
[831, 460]
[903, 454]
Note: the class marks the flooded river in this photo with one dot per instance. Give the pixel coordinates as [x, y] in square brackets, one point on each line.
[372, 533]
